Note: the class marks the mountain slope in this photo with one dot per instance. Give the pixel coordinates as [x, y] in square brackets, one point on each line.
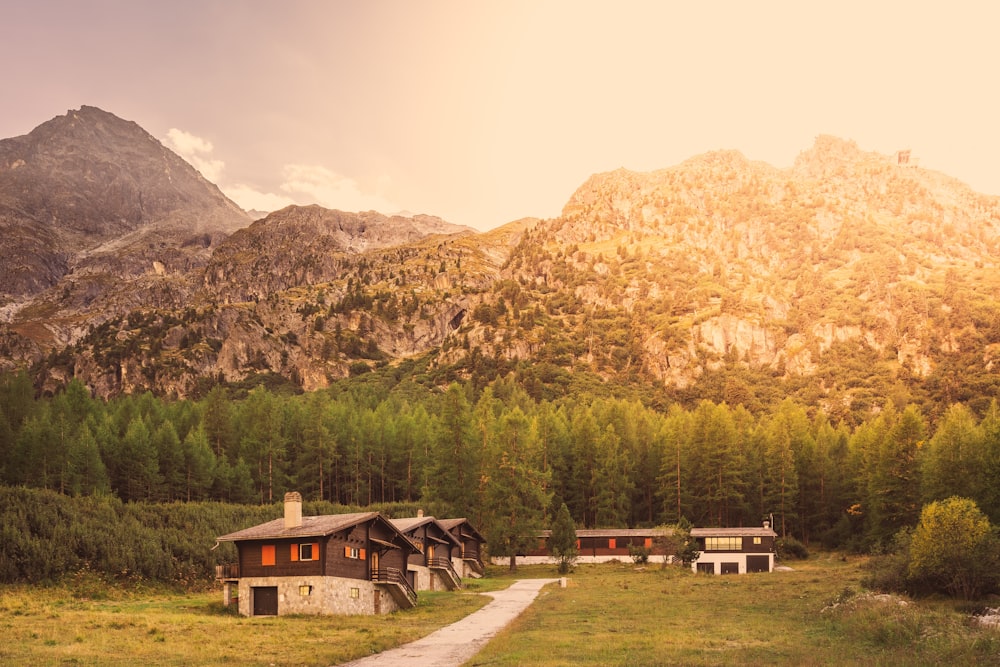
[722, 272]
[844, 280]
[98, 218]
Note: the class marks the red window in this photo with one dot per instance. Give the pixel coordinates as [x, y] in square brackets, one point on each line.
[267, 554]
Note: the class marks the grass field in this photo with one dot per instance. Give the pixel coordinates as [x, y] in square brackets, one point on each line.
[613, 614]
[52, 626]
[817, 614]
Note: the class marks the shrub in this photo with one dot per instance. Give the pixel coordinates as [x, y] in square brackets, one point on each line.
[789, 547]
[639, 554]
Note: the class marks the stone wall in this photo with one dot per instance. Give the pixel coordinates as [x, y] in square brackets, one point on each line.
[319, 595]
[422, 578]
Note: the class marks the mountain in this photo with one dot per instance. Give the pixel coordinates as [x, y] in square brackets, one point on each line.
[845, 280]
[98, 217]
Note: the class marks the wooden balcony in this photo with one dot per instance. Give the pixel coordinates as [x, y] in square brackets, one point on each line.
[227, 572]
[398, 585]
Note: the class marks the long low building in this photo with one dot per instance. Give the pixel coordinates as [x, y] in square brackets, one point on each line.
[601, 545]
[721, 550]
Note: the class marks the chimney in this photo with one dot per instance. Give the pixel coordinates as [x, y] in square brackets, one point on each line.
[293, 509]
[420, 514]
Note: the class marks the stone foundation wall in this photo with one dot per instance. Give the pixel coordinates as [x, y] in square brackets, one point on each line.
[422, 578]
[319, 595]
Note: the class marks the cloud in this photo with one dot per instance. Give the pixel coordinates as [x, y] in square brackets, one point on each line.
[252, 199]
[300, 183]
[327, 188]
[196, 151]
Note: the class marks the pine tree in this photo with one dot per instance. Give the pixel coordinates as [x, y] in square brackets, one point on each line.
[515, 497]
[562, 542]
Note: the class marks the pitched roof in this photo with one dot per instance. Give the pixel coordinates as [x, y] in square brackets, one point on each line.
[408, 524]
[452, 524]
[616, 532]
[312, 526]
[753, 531]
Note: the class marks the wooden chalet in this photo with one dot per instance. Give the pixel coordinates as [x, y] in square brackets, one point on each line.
[431, 567]
[334, 564]
[468, 561]
[734, 550]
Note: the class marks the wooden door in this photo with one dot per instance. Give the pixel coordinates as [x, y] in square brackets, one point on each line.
[265, 600]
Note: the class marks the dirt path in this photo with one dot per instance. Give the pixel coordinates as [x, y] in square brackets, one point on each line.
[454, 644]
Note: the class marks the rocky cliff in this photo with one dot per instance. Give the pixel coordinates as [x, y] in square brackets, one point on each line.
[846, 278]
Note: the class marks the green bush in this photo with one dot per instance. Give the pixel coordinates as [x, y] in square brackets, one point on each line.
[789, 547]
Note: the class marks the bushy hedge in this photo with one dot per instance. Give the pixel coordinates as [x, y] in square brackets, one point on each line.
[46, 536]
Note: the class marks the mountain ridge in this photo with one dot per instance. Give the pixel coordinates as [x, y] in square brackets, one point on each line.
[718, 277]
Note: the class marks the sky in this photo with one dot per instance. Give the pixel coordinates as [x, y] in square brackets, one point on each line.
[486, 112]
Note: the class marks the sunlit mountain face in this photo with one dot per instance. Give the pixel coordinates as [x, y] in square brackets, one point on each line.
[849, 277]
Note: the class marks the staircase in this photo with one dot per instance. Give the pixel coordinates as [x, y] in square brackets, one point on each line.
[395, 582]
[447, 571]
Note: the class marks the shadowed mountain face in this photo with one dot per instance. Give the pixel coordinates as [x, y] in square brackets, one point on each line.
[91, 193]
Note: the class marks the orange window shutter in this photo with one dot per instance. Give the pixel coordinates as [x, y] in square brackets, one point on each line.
[578, 545]
[362, 554]
[347, 552]
[612, 544]
[649, 542]
[295, 552]
[267, 554]
[315, 550]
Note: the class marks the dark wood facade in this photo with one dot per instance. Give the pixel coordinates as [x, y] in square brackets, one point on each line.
[601, 543]
[471, 545]
[297, 555]
[436, 546]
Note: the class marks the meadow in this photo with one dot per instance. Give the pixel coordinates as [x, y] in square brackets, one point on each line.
[611, 614]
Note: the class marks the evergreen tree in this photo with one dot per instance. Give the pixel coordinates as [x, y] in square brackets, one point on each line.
[515, 497]
[953, 462]
[88, 474]
[612, 481]
[562, 542]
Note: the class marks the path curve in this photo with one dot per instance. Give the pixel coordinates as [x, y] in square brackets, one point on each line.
[454, 644]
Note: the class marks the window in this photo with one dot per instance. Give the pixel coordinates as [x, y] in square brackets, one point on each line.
[354, 552]
[723, 543]
[305, 551]
[355, 593]
[267, 554]
[756, 540]
[305, 590]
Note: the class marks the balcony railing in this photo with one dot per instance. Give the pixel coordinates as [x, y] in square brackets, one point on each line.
[446, 565]
[391, 575]
[227, 571]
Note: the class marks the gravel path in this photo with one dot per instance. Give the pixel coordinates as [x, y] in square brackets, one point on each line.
[454, 644]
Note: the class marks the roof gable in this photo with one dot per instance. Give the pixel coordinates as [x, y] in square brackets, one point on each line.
[312, 526]
[410, 525]
[461, 526]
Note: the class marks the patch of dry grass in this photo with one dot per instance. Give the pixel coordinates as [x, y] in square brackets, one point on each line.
[49, 626]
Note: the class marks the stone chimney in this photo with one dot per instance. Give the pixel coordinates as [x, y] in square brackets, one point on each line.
[420, 514]
[293, 509]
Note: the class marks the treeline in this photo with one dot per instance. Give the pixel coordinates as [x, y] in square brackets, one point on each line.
[45, 536]
[613, 461]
